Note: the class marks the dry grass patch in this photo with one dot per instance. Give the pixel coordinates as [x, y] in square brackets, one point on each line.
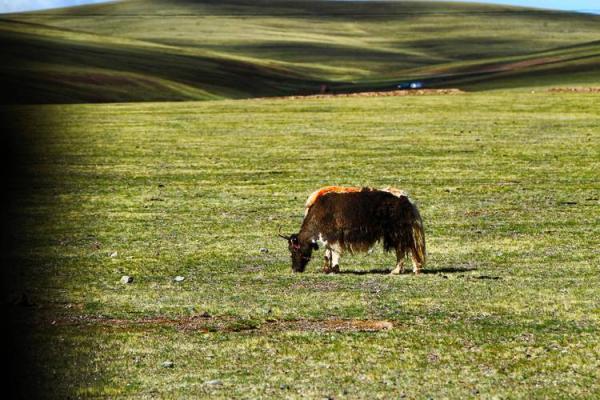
[386, 93]
[575, 90]
[206, 323]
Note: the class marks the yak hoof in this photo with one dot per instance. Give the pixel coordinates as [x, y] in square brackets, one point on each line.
[397, 271]
[332, 270]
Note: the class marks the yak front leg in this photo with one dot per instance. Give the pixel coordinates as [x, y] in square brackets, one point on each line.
[327, 261]
[335, 261]
[400, 256]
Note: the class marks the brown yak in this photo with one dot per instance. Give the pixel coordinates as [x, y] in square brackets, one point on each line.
[354, 219]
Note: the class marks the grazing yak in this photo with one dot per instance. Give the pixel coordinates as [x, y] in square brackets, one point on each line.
[354, 219]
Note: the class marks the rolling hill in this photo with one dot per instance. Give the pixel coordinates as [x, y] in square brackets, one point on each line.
[150, 50]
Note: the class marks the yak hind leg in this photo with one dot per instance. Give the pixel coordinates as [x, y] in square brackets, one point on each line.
[416, 265]
[400, 256]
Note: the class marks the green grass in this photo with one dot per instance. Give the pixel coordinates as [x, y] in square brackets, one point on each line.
[141, 50]
[507, 183]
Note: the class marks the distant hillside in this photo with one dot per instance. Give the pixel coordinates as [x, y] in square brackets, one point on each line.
[142, 50]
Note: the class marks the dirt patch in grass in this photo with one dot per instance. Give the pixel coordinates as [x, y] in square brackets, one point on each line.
[207, 324]
[500, 66]
[326, 286]
[338, 325]
[575, 90]
[531, 63]
[388, 93]
[520, 64]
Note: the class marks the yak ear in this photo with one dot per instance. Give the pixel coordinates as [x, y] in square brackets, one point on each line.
[314, 245]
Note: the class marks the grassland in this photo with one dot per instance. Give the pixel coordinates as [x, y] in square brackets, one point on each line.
[505, 175]
[507, 183]
[141, 50]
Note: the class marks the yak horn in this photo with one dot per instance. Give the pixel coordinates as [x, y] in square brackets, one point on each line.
[282, 236]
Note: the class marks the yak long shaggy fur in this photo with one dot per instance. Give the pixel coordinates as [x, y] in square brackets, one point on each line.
[355, 219]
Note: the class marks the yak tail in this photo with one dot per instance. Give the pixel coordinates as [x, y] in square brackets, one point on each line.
[418, 250]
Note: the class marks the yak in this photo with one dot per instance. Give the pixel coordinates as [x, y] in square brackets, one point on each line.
[354, 219]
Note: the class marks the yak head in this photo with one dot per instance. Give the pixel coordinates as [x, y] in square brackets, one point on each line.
[301, 251]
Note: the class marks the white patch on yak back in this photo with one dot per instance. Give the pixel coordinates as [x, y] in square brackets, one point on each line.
[310, 200]
[340, 189]
[395, 192]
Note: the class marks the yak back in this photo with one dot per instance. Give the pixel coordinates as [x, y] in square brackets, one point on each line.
[357, 220]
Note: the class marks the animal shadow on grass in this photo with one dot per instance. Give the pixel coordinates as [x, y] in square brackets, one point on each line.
[366, 272]
[445, 270]
[448, 270]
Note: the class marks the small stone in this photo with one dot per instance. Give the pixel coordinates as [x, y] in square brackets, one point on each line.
[264, 250]
[179, 278]
[214, 382]
[114, 254]
[23, 301]
[126, 279]
[168, 364]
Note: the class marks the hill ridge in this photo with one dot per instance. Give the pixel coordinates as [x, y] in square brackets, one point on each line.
[138, 50]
